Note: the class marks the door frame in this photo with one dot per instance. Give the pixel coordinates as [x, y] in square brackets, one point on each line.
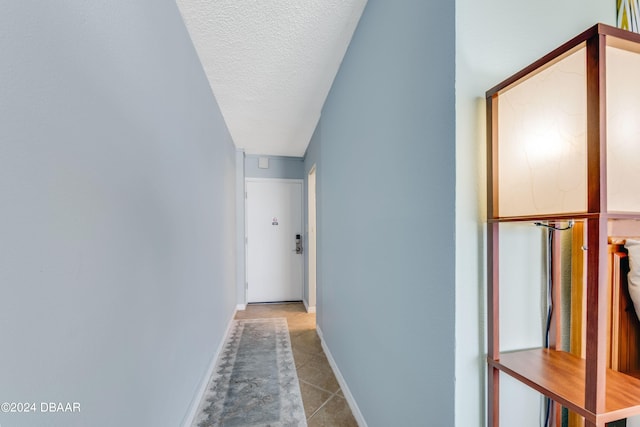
[312, 229]
[246, 229]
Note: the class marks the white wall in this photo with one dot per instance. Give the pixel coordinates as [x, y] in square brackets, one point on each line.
[494, 39]
[117, 213]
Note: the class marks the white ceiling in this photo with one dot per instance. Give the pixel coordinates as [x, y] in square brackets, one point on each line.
[270, 64]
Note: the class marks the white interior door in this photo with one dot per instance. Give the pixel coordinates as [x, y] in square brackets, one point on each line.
[274, 219]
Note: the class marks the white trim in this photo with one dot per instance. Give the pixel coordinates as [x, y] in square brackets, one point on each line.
[307, 308]
[311, 279]
[241, 288]
[343, 383]
[195, 403]
[297, 180]
[241, 307]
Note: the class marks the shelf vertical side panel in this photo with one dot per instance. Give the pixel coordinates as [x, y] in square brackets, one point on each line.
[596, 307]
[596, 324]
[596, 126]
[493, 329]
[492, 156]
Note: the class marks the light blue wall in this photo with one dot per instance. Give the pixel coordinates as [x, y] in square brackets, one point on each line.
[386, 214]
[279, 167]
[117, 175]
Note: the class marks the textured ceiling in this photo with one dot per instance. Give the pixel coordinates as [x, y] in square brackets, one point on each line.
[270, 64]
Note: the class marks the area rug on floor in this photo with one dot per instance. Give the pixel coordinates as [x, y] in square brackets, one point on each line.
[255, 381]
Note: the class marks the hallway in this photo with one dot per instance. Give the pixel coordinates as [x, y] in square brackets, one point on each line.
[324, 403]
[123, 259]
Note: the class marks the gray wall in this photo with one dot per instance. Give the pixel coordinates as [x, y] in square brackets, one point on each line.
[117, 213]
[279, 167]
[386, 214]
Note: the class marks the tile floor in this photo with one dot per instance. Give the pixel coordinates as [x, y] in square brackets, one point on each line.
[324, 403]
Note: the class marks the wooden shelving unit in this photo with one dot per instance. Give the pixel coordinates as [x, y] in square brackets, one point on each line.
[583, 384]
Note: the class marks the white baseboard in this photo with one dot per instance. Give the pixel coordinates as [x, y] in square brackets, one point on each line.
[241, 307]
[343, 384]
[195, 403]
[309, 309]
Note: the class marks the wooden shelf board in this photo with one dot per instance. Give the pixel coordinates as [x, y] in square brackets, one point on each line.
[578, 216]
[544, 217]
[561, 376]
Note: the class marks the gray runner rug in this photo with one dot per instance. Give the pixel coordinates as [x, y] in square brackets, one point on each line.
[255, 381]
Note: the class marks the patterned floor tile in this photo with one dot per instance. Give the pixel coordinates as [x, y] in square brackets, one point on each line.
[322, 398]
